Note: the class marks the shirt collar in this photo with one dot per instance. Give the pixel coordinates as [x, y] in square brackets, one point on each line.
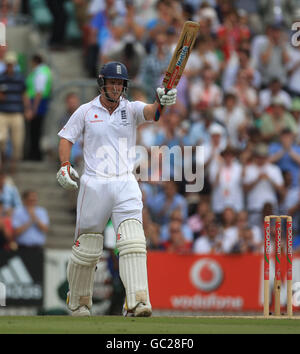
[96, 102]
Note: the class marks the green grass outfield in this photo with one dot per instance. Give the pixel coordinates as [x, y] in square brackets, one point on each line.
[153, 325]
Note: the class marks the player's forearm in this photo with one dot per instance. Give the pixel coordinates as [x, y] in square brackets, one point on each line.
[36, 102]
[64, 150]
[149, 111]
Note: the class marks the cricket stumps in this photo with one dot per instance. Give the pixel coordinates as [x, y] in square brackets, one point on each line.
[267, 254]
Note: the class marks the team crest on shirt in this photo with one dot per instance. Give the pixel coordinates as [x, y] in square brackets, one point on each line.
[124, 120]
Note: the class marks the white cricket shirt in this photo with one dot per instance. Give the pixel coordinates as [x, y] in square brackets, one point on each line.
[108, 140]
[263, 192]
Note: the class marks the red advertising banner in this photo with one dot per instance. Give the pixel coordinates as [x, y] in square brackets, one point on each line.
[211, 282]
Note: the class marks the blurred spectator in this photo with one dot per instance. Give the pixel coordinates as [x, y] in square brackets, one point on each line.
[278, 119]
[204, 94]
[201, 56]
[246, 93]
[39, 86]
[8, 11]
[132, 23]
[9, 194]
[154, 65]
[196, 221]
[6, 230]
[162, 205]
[2, 61]
[295, 112]
[245, 243]
[274, 90]
[173, 136]
[129, 52]
[229, 229]
[271, 53]
[286, 155]
[293, 83]
[30, 222]
[291, 206]
[208, 14]
[280, 12]
[177, 243]
[104, 33]
[251, 7]
[262, 182]
[184, 228]
[223, 8]
[146, 9]
[199, 131]
[59, 22]
[231, 33]
[251, 140]
[164, 19]
[82, 15]
[226, 177]
[240, 60]
[232, 116]
[152, 231]
[210, 241]
[242, 222]
[72, 102]
[215, 146]
[12, 102]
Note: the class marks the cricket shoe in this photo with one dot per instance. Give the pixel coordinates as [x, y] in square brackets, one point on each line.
[141, 310]
[82, 311]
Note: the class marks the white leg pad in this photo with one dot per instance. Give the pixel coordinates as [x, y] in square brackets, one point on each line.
[86, 253]
[131, 244]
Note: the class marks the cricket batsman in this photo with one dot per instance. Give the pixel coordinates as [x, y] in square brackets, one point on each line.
[108, 189]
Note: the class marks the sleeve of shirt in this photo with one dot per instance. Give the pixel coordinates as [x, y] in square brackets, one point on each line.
[17, 218]
[137, 109]
[40, 82]
[75, 125]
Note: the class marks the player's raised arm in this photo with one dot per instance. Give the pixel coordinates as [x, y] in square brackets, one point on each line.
[165, 99]
[66, 174]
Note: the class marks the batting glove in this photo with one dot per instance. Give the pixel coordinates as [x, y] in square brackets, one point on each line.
[65, 176]
[166, 99]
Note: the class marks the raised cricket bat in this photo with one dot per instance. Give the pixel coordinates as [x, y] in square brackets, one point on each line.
[179, 59]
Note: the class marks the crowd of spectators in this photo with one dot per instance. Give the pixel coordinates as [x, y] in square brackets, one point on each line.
[24, 95]
[238, 98]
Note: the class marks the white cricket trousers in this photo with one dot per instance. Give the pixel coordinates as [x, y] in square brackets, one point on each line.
[100, 200]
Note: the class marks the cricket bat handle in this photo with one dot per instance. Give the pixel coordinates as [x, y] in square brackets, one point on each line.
[160, 108]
